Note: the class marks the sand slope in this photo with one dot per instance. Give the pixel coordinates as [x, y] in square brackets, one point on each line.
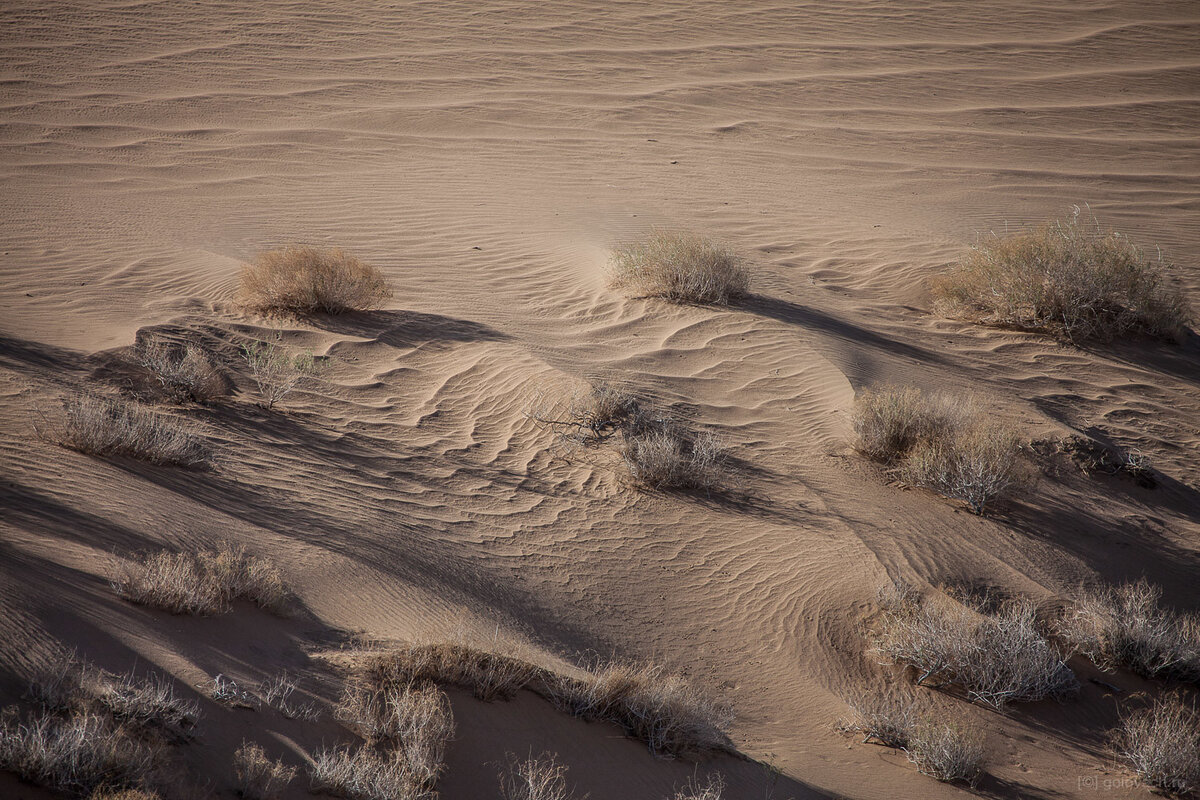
[486, 156]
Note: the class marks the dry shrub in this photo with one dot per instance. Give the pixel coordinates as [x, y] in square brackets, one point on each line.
[201, 583]
[672, 717]
[947, 752]
[225, 690]
[541, 778]
[184, 372]
[76, 753]
[712, 788]
[259, 777]
[276, 373]
[306, 280]
[587, 417]
[1124, 626]
[415, 719]
[669, 457]
[998, 658]
[488, 675]
[103, 426]
[679, 267]
[1068, 277]
[365, 774]
[887, 718]
[277, 692]
[891, 420]
[975, 464]
[1162, 744]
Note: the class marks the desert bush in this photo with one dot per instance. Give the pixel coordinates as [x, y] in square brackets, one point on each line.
[1162, 744]
[661, 708]
[947, 752]
[277, 692]
[540, 778]
[997, 658]
[587, 417]
[1069, 277]
[679, 267]
[225, 690]
[488, 675]
[275, 372]
[259, 777]
[201, 583]
[891, 420]
[365, 774]
[712, 788]
[975, 464]
[668, 457]
[415, 718]
[103, 426]
[184, 372]
[887, 718]
[77, 753]
[1124, 626]
[308, 280]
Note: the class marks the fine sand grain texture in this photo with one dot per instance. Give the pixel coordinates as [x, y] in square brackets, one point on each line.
[486, 157]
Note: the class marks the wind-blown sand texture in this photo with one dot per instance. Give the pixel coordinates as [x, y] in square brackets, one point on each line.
[486, 157]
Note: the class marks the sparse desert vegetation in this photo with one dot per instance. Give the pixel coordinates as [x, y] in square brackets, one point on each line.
[364, 773]
[414, 719]
[1162, 744]
[106, 426]
[997, 658]
[1069, 277]
[205, 582]
[277, 693]
[680, 267]
[260, 777]
[711, 788]
[275, 371]
[889, 719]
[489, 676]
[588, 416]
[183, 371]
[535, 778]
[307, 280]
[940, 443]
[670, 457]
[946, 751]
[1125, 626]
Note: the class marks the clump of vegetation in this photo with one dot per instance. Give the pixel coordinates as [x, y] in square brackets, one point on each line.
[277, 693]
[588, 417]
[184, 372]
[669, 457]
[712, 788]
[1070, 278]
[946, 752]
[681, 268]
[939, 443]
[258, 776]
[541, 778]
[888, 719]
[1162, 744]
[203, 583]
[307, 280]
[105, 426]
[415, 719]
[652, 704]
[489, 676]
[367, 774]
[1125, 626]
[998, 658]
[1093, 457]
[275, 372]
[225, 689]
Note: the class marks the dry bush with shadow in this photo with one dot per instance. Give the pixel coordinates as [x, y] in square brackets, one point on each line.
[277, 693]
[712, 788]
[105, 426]
[1070, 278]
[489, 676]
[365, 773]
[947, 752]
[1162, 744]
[887, 718]
[307, 280]
[679, 267]
[415, 720]
[258, 776]
[540, 778]
[1125, 626]
[184, 372]
[941, 443]
[668, 457]
[202, 583]
[997, 658]
[277, 373]
[587, 417]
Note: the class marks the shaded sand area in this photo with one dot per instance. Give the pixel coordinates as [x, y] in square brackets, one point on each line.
[486, 157]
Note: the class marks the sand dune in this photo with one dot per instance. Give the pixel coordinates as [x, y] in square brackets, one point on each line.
[486, 157]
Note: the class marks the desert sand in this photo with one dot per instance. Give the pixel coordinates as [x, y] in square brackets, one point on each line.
[486, 157]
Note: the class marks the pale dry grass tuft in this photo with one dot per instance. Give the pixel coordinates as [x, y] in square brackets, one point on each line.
[1124, 626]
[890, 420]
[712, 788]
[669, 457]
[947, 752]
[587, 417]
[1162, 744]
[103, 426]
[306, 280]
[488, 675]
[541, 778]
[366, 774]
[887, 718]
[415, 719]
[679, 267]
[201, 583]
[975, 464]
[1069, 277]
[184, 372]
[277, 693]
[258, 776]
[998, 658]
